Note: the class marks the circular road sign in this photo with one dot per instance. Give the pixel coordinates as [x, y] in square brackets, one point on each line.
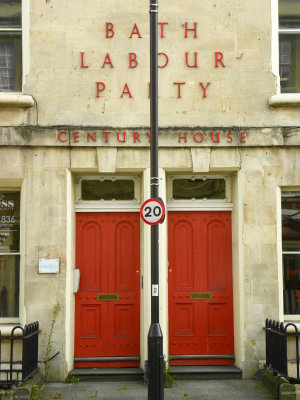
[152, 211]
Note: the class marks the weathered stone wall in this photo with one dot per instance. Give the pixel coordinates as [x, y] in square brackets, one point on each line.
[234, 90]
[44, 173]
[220, 75]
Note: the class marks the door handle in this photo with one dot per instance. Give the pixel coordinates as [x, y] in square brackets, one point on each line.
[76, 280]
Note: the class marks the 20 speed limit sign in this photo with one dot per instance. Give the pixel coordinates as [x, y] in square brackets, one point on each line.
[152, 211]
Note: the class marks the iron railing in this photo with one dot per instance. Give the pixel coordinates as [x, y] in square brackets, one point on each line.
[21, 361]
[277, 359]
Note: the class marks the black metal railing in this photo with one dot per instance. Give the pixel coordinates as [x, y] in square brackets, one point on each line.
[21, 360]
[277, 358]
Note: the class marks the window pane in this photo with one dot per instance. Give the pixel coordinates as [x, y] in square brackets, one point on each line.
[289, 14]
[10, 13]
[289, 63]
[9, 222]
[290, 207]
[198, 189]
[291, 270]
[9, 285]
[121, 189]
[10, 64]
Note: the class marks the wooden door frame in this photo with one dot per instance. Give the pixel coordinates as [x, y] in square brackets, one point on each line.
[104, 207]
[203, 205]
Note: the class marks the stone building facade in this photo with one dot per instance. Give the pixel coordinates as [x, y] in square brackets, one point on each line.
[74, 150]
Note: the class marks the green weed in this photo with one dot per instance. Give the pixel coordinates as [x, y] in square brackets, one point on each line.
[35, 392]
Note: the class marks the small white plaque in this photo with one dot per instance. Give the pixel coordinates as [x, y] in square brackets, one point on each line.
[49, 265]
[155, 290]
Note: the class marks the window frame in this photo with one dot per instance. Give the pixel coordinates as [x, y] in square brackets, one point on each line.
[199, 204]
[108, 205]
[279, 99]
[15, 35]
[280, 252]
[18, 319]
[281, 33]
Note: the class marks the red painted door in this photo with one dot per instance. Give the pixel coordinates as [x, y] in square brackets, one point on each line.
[108, 256]
[200, 287]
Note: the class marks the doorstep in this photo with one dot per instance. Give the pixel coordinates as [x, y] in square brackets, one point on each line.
[108, 374]
[205, 372]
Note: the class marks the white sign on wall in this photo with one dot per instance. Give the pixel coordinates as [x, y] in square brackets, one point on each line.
[49, 265]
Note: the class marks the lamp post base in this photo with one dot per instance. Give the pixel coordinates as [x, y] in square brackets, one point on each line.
[155, 363]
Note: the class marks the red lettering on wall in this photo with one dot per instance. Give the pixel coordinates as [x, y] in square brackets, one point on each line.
[179, 87]
[149, 136]
[136, 137]
[218, 137]
[124, 137]
[162, 28]
[106, 135]
[204, 88]
[243, 137]
[100, 88]
[180, 137]
[60, 138]
[135, 31]
[166, 60]
[75, 136]
[190, 29]
[219, 59]
[107, 60]
[229, 135]
[109, 30]
[126, 91]
[132, 60]
[195, 60]
[89, 135]
[82, 60]
[201, 137]
[149, 94]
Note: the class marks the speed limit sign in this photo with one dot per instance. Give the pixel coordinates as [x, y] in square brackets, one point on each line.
[152, 211]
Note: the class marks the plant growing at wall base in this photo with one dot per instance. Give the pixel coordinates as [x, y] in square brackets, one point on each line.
[168, 378]
[50, 339]
[35, 392]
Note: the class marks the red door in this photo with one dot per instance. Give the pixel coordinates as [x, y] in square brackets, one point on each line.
[200, 287]
[107, 309]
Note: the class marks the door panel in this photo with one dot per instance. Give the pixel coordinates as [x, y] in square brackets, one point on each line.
[107, 254]
[200, 264]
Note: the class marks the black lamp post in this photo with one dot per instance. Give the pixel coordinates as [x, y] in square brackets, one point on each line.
[155, 338]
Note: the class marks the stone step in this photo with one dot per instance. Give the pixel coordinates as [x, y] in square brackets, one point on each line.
[205, 372]
[108, 374]
[137, 374]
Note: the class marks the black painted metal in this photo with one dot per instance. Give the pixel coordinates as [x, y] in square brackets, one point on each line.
[155, 338]
[276, 348]
[14, 370]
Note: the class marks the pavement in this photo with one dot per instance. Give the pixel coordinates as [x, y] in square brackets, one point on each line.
[250, 389]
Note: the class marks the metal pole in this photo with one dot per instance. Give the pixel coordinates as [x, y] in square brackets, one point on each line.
[155, 338]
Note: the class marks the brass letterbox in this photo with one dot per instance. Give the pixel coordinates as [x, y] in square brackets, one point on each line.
[201, 296]
[107, 296]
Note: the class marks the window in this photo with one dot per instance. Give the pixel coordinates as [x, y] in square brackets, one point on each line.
[107, 189]
[193, 188]
[290, 211]
[108, 192]
[289, 45]
[10, 46]
[9, 253]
